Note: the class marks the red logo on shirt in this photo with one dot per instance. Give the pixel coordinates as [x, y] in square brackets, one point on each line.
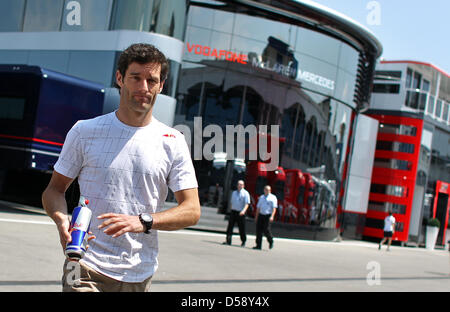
[169, 135]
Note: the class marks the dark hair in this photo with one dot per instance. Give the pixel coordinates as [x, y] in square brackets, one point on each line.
[142, 53]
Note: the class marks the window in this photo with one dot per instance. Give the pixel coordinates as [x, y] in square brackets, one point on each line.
[43, 15]
[412, 99]
[445, 113]
[12, 108]
[397, 129]
[392, 190]
[438, 108]
[134, 15]
[385, 207]
[417, 80]
[395, 147]
[392, 164]
[386, 88]
[408, 78]
[425, 85]
[388, 75]
[430, 109]
[11, 15]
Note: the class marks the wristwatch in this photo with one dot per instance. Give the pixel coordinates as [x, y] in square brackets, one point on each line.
[147, 220]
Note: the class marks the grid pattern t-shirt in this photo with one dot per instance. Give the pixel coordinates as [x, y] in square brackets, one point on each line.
[125, 170]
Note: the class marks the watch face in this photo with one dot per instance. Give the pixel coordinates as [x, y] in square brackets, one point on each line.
[146, 217]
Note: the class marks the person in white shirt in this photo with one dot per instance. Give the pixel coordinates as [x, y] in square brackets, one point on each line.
[265, 212]
[125, 161]
[389, 229]
[240, 199]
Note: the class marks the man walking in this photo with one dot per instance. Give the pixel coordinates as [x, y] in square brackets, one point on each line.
[265, 212]
[125, 161]
[389, 229]
[240, 199]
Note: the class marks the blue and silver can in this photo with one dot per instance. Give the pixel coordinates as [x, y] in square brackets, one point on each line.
[79, 228]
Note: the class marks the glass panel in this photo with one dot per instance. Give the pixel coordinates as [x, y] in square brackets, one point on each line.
[425, 85]
[189, 93]
[445, 113]
[438, 108]
[12, 108]
[386, 88]
[43, 15]
[287, 127]
[395, 146]
[422, 101]
[397, 129]
[252, 105]
[408, 78]
[412, 99]
[392, 164]
[388, 75]
[416, 81]
[385, 207]
[53, 60]
[299, 133]
[392, 190]
[86, 15]
[132, 14]
[430, 109]
[82, 62]
[169, 18]
[261, 29]
[348, 59]
[11, 15]
[322, 47]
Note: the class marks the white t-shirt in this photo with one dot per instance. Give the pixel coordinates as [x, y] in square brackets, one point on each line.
[266, 204]
[239, 199]
[388, 223]
[125, 170]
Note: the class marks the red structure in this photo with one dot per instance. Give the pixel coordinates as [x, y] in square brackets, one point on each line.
[255, 180]
[277, 181]
[398, 139]
[294, 193]
[441, 208]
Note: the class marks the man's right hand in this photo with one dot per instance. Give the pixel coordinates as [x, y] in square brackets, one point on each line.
[63, 225]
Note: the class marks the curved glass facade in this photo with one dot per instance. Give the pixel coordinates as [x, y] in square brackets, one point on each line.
[242, 69]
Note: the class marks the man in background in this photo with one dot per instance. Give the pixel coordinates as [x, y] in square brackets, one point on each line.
[240, 199]
[265, 212]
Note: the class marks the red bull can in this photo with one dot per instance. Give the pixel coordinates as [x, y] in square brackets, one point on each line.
[79, 228]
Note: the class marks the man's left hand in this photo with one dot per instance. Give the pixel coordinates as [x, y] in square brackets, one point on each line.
[118, 224]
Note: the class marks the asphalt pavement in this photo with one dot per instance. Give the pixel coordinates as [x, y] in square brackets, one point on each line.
[194, 260]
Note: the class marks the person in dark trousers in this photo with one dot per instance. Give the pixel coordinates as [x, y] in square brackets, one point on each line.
[240, 199]
[265, 212]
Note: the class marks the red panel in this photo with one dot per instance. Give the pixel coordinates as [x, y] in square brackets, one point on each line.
[395, 173]
[396, 138]
[389, 180]
[388, 199]
[394, 155]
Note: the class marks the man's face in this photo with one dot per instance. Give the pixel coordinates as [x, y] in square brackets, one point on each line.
[140, 86]
[240, 186]
[266, 190]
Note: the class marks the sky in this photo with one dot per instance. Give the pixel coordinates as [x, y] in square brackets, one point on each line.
[417, 30]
